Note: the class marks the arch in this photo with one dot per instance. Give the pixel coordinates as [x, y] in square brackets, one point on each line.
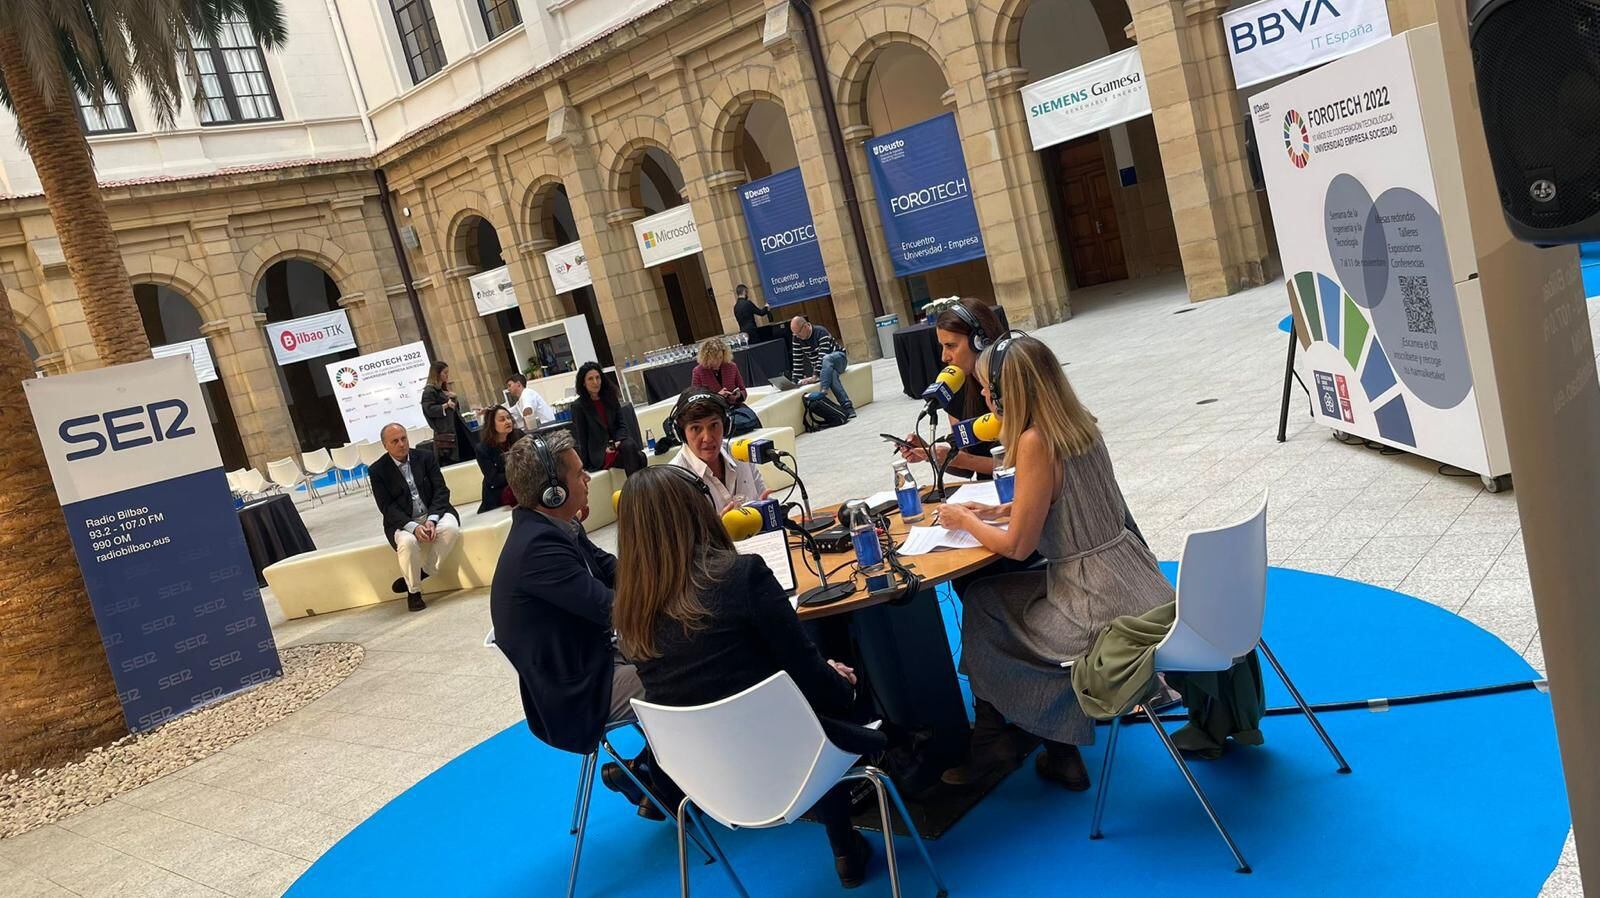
[728, 103]
[323, 253]
[534, 200]
[921, 30]
[33, 319]
[184, 277]
[619, 158]
[1003, 49]
[457, 233]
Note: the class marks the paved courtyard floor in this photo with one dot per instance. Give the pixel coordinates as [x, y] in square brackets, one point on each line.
[1188, 398]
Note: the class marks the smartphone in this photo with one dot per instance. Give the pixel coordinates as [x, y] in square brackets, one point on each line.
[898, 443]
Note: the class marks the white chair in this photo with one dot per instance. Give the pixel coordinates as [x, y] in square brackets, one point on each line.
[1222, 597]
[286, 473]
[316, 464]
[370, 452]
[251, 482]
[233, 480]
[416, 436]
[760, 759]
[345, 460]
[580, 804]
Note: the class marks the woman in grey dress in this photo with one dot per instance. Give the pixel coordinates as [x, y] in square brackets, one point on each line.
[1018, 628]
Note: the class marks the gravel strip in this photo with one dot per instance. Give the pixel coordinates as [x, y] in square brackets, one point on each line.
[47, 795]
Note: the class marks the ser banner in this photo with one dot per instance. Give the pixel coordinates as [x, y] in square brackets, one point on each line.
[924, 197]
[1378, 304]
[136, 468]
[380, 387]
[1280, 37]
[784, 238]
[1089, 98]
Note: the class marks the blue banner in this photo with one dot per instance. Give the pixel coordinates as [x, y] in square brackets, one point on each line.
[784, 238]
[924, 197]
[136, 467]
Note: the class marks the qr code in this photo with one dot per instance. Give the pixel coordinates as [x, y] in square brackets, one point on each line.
[1418, 303]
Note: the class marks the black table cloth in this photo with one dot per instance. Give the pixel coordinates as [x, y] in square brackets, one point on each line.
[757, 363]
[917, 354]
[273, 531]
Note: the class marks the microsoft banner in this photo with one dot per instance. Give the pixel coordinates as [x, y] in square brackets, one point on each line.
[784, 238]
[924, 197]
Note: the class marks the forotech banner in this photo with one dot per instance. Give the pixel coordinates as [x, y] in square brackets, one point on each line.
[1277, 37]
[379, 388]
[136, 468]
[924, 196]
[1087, 99]
[784, 238]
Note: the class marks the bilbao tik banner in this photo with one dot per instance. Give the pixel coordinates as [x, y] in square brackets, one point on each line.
[136, 468]
[312, 336]
[378, 388]
[924, 197]
[784, 238]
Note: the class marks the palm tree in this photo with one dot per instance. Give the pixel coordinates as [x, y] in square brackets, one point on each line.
[56, 693]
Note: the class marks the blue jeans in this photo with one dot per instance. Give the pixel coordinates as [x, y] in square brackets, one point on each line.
[828, 378]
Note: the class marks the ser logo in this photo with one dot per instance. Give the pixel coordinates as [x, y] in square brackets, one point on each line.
[126, 428]
[210, 607]
[239, 626]
[159, 624]
[173, 679]
[175, 589]
[222, 661]
[139, 661]
[192, 643]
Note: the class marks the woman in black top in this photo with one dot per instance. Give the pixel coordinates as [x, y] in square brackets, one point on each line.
[500, 433]
[443, 411]
[960, 344]
[598, 428]
[702, 622]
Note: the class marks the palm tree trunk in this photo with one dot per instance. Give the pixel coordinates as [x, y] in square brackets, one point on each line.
[57, 699]
[50, 128]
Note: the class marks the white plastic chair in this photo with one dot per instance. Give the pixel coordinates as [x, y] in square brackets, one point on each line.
[316, 464]
[760, 759]
[233, 480]
[1222, 598]
[345, 460]
[251, 482]
[580, 804]
[371, 452]
[416, 436]
[286, 473]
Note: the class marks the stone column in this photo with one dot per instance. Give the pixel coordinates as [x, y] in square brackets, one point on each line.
[476, 360]
[722, 196]
[1200, 123]
[1405, 15]
[895, 298]
[374, 323]
[628, 303]
[539, 301]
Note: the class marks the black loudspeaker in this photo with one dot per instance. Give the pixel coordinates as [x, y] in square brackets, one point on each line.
[1538, 69]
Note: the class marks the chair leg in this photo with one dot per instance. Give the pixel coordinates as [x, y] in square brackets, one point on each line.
[648, 794]
[1194, 784]
[685, 818]
[1105, 777]
[585, 780]
[705, 830]
[581, 814]
[1344, 766]
[888, 792]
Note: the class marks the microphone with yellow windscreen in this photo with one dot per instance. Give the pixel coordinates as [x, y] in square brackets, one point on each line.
[944, 388]
[741, 523]
[616, 501]
[982, 429]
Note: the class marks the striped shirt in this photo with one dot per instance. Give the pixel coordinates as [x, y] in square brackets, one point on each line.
[805, 355]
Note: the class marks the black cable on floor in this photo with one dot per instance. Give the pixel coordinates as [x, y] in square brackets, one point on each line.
[1376, 704]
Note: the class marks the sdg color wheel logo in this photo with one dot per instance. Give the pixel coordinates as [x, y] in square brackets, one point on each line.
[346, 377]
[1297, 139]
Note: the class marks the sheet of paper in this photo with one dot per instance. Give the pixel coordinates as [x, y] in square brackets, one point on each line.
[774, 549]
[922, 540]
[876, 499]
[982, 492]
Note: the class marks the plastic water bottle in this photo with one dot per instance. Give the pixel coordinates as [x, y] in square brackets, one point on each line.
[864, 536]
[1005, 476]
[650, 440]
[906, 493]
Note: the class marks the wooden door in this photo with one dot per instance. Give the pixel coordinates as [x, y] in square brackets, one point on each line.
[1094, 239]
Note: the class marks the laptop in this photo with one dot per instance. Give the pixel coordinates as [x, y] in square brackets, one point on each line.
[783, 383]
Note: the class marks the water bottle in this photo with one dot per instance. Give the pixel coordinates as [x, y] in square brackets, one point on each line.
[906, 493]
[864, 536]
[1005, 476]
[650, 440]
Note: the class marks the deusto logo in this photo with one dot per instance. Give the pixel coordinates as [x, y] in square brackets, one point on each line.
[1297, 139]
[888, 147]
[758, 192]
[1275, 25]
[346, 377]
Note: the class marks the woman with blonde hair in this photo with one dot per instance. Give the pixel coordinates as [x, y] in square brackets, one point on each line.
[1019, 627]
[716, 370]
[701, 622]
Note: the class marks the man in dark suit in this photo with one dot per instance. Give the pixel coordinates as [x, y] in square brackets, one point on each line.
[418, 519]
[550, 603]
[745, 312]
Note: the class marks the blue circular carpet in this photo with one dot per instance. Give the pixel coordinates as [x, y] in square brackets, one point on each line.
[1454, 796]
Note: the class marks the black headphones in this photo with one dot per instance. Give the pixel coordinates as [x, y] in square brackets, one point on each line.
[691, 396]
[997, 361]
[975, 333]
[553, 494]
[694, 479]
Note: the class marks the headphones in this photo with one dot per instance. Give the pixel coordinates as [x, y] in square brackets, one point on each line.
[553, 494]
[698, 483]
[975, 332]
[997, 361]
[689, 397]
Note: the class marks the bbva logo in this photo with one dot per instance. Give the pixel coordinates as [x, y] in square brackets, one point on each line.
[126, 428]
[1269, 27]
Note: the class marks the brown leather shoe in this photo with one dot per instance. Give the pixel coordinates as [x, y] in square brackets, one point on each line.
[1062, 764]
[852, 868]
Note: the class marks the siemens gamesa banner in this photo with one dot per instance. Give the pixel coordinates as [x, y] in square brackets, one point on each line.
[136, 468]
[784, 238]
[924, 196]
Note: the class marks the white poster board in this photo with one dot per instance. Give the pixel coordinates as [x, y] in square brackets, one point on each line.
[569, 267]
[1351, 169]
[667, 235]
[492, 291]
[1273, 38]
[198, 351]
[1087, 99]
[380, 387]
[305, 338]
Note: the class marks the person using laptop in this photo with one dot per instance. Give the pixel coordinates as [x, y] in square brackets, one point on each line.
[815, 357]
